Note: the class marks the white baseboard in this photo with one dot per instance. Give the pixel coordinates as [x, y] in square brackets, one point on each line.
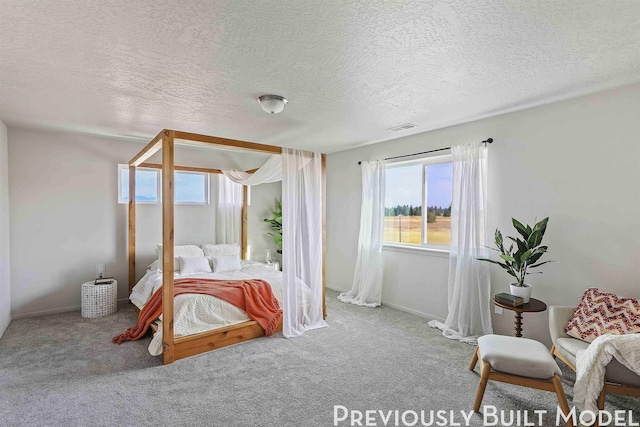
[412, 311]
[400, 307]
[52, 311]
[45, 312]
[336, 289]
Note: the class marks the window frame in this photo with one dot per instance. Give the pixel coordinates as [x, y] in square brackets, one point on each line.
[207, 187]
[424, 162]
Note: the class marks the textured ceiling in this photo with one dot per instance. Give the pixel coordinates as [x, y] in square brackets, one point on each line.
[350, 69]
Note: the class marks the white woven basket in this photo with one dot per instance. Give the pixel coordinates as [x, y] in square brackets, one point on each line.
[99, 300]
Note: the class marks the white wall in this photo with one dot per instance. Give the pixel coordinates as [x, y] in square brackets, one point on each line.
[575, 161]
[263, 201]
[66, 219]
[5, 279]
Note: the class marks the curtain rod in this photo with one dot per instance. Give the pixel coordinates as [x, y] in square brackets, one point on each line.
[485, 142]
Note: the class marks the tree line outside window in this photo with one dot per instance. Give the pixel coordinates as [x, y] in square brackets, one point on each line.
[410, 210]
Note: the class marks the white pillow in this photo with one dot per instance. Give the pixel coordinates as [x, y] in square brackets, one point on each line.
[178, 251]
[194, 265]
[221, 250]
[226, 263]
[155, 265]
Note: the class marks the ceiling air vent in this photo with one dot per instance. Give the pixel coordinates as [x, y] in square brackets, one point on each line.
[402, 127]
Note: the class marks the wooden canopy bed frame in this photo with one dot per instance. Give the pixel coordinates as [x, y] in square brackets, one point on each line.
[177, 348]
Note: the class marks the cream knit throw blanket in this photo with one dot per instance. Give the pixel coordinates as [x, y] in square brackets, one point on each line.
[592, 362]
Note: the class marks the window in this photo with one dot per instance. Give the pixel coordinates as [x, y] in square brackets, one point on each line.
[190, 187]
[411, 189]
[147, 185]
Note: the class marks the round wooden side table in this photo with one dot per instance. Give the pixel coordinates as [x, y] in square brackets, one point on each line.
[533, 306]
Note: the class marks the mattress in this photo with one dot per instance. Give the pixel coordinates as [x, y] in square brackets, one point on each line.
[194, 313]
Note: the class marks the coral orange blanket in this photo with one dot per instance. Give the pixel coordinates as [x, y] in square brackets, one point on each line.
[253, 296]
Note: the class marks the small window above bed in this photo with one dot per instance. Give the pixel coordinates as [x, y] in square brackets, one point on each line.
[190, 187]
[147, 185]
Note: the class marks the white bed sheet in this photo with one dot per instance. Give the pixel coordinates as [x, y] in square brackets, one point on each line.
[194, 313]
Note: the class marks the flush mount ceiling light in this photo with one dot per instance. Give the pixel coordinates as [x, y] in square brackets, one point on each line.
[272, 104]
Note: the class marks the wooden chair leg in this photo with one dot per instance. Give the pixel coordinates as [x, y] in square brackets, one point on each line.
[485, 369]
[553, 351]
[601, 397]
[474, 360]
[562, 398]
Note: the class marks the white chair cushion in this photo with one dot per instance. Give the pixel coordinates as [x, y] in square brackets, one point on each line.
[569, 347]
[518, 356]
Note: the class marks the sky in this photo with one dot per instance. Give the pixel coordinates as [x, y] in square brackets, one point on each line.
[404, 185]
[189, 187]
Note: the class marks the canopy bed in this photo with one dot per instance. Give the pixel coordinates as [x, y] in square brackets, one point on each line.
[303, 279]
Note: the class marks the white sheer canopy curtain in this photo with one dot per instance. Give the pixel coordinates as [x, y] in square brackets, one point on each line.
[301, 242]
[366, 289]
[228, 210]
[469, 285]
[230, 194]
[271, 171]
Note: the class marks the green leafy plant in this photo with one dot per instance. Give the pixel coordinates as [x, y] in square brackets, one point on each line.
[526, 253]
[276, 225]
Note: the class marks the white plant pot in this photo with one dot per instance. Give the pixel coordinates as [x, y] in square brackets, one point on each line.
[522, 291]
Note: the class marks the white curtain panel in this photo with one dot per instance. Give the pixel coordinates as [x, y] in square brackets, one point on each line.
[271, 171]
[469, 285]
[228, 210]
[366, 289]
[301, 242]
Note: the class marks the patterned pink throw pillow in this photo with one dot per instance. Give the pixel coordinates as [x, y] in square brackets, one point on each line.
[601, 313]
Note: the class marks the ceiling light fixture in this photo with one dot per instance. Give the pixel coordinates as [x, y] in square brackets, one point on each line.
[272, 104]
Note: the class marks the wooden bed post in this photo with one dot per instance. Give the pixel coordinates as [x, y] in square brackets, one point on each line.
[132, 227]
[149, 150]
[324, 236]
[245, 209]
[168, 355]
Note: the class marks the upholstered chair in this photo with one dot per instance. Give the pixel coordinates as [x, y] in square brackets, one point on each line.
[618, 379]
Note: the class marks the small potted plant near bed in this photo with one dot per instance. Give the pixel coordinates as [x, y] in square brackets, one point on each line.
[526, 254]
[276, 226]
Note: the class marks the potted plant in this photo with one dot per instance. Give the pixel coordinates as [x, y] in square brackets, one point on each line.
[526, 254]
[276, 226]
